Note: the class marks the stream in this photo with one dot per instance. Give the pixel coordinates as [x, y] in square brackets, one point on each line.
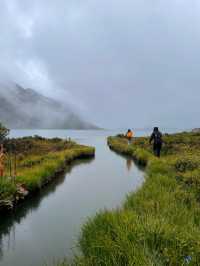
[46, 227]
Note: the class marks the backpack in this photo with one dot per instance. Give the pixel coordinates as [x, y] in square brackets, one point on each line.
[157, 138]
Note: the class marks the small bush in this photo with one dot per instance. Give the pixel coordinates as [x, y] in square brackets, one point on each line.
[186, 163]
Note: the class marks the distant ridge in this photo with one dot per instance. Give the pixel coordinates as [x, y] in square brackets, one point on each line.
[22, 108]
[196, 130]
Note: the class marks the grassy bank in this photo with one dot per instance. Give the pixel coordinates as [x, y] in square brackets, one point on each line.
[32, 162]
[158, 225]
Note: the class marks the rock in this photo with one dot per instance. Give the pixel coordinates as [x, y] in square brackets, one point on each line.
[21, 191]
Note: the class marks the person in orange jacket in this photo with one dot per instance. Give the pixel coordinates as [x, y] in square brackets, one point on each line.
[129, 135]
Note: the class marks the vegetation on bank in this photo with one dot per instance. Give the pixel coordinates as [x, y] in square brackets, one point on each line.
[158, 225]
[32, 162]
[3, 132]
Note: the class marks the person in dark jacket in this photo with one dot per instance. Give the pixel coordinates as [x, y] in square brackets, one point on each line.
[156, 137]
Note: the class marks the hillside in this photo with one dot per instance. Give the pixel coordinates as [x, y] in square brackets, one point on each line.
[27, 109]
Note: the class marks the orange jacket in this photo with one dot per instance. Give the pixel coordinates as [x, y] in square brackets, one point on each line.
[129, 134]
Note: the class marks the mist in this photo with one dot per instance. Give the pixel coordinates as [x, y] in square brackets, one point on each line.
[24, 108]
[118, 63]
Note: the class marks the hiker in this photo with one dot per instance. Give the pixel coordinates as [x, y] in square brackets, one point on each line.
[129, 135]
[2, 158]
[156, 137]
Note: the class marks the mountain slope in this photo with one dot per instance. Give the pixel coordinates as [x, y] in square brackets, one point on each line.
[25, 108]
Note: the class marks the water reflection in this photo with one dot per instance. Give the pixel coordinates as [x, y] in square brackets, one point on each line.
[9, 221]
[129, 163]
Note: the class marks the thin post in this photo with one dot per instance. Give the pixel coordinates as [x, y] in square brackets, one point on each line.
[2, 157]
[10, 160]
[15, 167]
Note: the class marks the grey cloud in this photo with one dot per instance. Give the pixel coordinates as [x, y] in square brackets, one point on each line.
[120, 63]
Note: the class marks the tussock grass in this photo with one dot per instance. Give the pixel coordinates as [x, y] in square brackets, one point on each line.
[39, 160]
[7, 190]
[159, 224]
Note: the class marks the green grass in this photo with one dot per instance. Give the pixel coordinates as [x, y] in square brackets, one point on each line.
[39, 174]
[159, 224]
[38, 162]
[7, 190]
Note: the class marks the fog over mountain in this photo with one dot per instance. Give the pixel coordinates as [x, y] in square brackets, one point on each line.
[26, 108]
[120, 63]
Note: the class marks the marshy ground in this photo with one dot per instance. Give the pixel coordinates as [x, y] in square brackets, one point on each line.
[160, 223]
[157, 225]
[46, 226]
[32, 162]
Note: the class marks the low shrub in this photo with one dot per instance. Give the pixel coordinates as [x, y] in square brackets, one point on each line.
[187, 163]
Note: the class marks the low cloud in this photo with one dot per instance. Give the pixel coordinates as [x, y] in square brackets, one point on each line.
[119, 63]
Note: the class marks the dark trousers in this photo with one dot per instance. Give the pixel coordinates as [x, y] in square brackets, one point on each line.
[129, 140]
[157, 149]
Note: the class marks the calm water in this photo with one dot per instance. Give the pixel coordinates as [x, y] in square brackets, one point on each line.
[46, 227]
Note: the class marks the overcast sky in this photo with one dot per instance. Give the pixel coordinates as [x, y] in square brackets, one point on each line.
[120, 63]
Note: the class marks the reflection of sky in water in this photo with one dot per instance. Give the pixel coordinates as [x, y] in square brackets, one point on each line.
[47, 226]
